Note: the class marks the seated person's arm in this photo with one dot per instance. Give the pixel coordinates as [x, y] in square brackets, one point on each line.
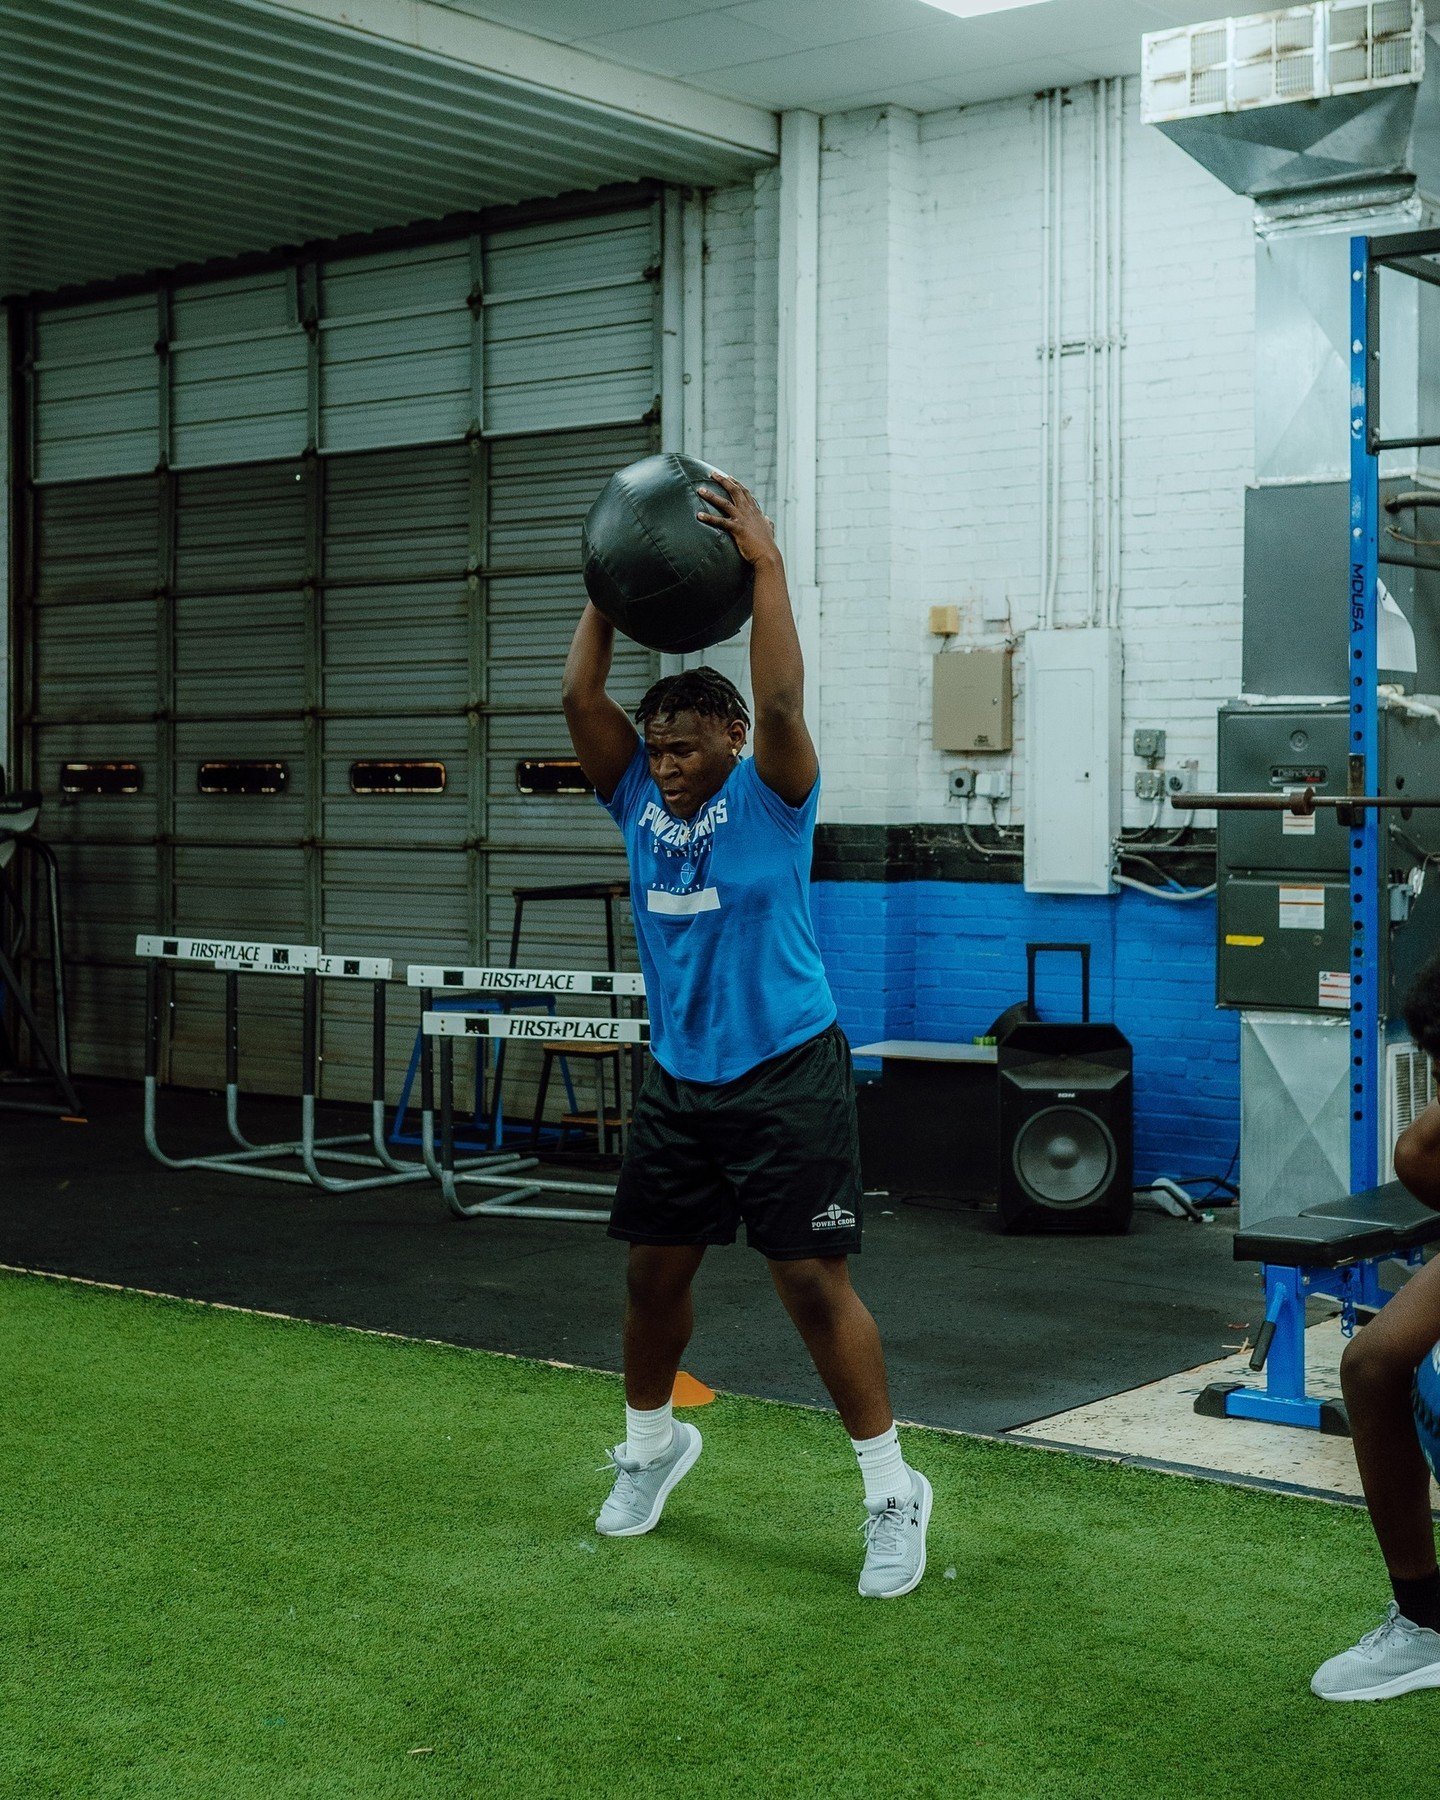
[604, 739]
[1417, 1156]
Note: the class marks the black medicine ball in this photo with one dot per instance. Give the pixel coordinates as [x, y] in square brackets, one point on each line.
[653, 569]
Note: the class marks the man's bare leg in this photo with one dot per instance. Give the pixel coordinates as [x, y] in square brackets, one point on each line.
[659, 1317]
[842, 1338]
[1376, 1372]
[844, 1341]
[657, 1452]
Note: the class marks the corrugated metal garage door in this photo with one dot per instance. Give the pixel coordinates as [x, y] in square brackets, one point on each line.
[94, 678]
[320, 516]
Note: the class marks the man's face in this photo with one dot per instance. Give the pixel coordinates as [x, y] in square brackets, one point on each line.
[690, 756]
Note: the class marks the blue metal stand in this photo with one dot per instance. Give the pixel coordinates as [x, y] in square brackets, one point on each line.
[1280, 1344]
[1367, 891]
[487, 1129]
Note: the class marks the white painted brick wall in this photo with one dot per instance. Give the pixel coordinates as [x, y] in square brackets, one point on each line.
[929, 437]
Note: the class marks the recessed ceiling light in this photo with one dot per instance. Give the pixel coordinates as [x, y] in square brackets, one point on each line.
[974, 9]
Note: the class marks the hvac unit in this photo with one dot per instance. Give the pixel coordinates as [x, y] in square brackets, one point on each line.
[1268, 59]
[1409, 1088]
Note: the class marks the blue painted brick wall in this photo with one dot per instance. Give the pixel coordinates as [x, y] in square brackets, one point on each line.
[938, 959]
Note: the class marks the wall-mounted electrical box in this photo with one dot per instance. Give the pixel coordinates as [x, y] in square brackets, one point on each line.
[944, 621]
[1072, 760]
[972, 709]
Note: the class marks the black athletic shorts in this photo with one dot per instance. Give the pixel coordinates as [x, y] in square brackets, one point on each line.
[778, 1148]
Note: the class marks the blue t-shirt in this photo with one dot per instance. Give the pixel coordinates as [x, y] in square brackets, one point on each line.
[722, 917]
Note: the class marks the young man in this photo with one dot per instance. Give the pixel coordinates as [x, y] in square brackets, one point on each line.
[748, 1109]
[1379, 1364]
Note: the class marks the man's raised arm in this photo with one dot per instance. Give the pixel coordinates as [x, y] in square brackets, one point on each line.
[600, 730]
[785, 757]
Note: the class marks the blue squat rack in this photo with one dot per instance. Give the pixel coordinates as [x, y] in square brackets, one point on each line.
[1338, 1248]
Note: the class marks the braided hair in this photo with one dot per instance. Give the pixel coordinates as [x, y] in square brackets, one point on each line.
[704, 690]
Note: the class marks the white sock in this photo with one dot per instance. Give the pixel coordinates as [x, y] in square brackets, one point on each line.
[883, 1469]
[648, 1434]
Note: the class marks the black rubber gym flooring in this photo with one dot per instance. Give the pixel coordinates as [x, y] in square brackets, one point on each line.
[983, 1332]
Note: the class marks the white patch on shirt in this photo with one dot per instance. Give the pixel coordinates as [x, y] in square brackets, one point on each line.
[682, 905]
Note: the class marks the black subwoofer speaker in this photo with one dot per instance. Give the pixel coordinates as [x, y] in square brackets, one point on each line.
[1066, 1128]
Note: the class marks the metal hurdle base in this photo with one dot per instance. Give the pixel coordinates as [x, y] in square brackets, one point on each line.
[447, 1026]
[310, 965]
[230, 957]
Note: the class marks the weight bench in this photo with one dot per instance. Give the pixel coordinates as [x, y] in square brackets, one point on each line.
[1335, 1248]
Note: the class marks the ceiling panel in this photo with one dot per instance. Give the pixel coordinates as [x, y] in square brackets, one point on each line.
[811, 23]
[833, 51]
[1121, 58]
[697, 43]
[566, 20]
[1008, 79]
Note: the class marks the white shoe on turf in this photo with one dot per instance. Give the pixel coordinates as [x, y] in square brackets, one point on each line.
[895, 1542]
[641, 1489]
[1396, 1658]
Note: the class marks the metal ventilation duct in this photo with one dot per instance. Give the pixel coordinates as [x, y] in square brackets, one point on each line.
[1294, 1112]
[1319, 96]
[1328, 116]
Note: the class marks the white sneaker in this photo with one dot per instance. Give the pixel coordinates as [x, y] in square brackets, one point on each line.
[641, 1489]
[895, 1542]
[1396, 1658]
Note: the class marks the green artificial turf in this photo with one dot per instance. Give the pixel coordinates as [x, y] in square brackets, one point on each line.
[249, 1557]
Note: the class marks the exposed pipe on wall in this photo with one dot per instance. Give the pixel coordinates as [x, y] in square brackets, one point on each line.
[692, 237]
[1114, 338]
[1046, 252]
[1100, 346]
[797, 474]
[672, 347]
[1052, 256]
[1103, 393]
[1098, 199]
[1058, 316]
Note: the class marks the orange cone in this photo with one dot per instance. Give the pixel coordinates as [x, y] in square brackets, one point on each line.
[690, 1392]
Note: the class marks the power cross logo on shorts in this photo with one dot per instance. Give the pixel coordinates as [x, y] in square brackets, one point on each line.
[834, 1218]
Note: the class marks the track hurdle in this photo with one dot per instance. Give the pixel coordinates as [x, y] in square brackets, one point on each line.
[279, 960]
[378, 971]
[310, 965]
[447, 1026]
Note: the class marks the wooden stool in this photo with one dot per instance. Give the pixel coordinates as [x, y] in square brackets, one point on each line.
[610, 895]
[602, 1056]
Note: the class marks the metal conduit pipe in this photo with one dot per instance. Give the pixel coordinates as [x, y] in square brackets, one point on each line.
[1058, 315]
[1093, 477]
[1046, 177]
[1102, 354]
[1115, 337]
